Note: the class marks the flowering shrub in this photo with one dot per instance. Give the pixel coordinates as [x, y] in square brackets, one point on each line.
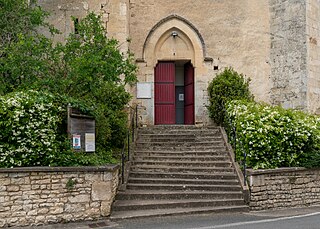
[274, 137]
[28, 123]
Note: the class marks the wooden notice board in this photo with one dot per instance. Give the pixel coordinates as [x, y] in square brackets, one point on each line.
[81, 129]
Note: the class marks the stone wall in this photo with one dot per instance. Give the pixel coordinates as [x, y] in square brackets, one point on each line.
[288, 56]
[114, 14]
[33, 196]
[284, 188]
[313, 43]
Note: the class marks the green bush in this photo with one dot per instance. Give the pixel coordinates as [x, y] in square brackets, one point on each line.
[29, 124]
[226, 86]
[275, 137]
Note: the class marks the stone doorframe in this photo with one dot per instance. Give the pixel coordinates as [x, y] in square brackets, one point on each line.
[188, 41]
[176, 39]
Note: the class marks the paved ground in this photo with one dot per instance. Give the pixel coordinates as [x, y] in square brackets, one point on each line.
[303, 218]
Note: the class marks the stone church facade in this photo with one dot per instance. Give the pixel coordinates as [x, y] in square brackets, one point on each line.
[180, 46]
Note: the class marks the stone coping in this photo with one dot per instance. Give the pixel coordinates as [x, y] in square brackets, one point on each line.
[104, 168]
[279, 170]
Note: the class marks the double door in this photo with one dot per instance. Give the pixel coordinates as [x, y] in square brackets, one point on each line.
[174, 104]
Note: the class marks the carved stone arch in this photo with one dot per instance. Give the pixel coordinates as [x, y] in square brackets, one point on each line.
[162, 44]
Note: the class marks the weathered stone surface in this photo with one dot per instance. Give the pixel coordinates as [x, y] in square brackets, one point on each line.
[17, 175]
[101, 191]
[57, 186]
[56, 211]
[40, 220]
[34, 198]
[92, 177]
[313, 45]
[288, 53]
[107, 176]
[20, 214]
[2, 222]
[284, 188]
[105, 208]
[13, 188]
[79, 199]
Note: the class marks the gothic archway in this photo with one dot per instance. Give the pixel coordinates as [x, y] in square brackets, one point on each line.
[174, 38]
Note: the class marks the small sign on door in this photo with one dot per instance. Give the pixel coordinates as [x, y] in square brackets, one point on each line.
[181, 97]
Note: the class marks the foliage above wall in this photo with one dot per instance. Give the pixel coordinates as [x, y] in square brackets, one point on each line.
[275, 137]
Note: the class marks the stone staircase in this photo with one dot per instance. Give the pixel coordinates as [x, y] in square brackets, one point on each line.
[179, 170]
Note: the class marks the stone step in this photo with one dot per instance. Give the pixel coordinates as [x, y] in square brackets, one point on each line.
[179, 163]
[187, 194]
[117, 215]
[196, 131]
[182, 134]
[180, 144]
[194, 147]
[177, 175]
[203, 153]
[179, 170]
[184, 187]
[183, 158]
[121, 205]
[179, 127]
[157, 168]
[178, 139]
[156, 180]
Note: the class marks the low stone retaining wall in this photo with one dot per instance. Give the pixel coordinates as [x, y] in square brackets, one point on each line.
[283, 188]
[33, 196]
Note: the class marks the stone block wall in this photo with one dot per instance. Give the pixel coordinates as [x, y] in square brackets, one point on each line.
[34, 196]
[288, 55]
[313, 43]
[114, 15]
[284, 188]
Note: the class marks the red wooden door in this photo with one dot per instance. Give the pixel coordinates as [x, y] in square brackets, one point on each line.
[189, 94]
[165, 93]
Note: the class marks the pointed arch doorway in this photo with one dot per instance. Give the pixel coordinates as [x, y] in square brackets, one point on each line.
[174, 93]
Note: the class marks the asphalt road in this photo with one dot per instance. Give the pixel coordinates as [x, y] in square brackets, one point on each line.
[303, 218]
[225, 221]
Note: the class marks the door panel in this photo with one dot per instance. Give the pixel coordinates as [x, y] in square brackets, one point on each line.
[179, 104]
[189, 94]
[164, 93]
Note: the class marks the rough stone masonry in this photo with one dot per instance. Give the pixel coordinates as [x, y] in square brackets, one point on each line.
[284, 188]
[34, 196]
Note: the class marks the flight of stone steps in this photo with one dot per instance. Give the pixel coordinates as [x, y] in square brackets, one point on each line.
[179, 170]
